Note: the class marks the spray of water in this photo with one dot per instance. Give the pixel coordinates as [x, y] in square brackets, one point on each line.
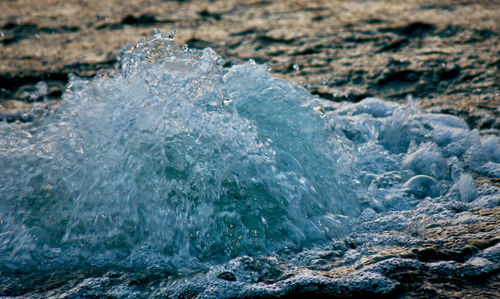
[179, 162]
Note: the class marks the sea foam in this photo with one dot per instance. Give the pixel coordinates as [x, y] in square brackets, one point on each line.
[178, 162]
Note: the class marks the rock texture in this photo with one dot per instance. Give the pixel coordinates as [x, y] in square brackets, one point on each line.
[443, 53]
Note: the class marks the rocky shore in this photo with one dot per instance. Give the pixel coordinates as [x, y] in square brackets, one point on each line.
[445, 55]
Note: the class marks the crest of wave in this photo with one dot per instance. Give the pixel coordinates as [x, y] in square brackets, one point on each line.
[176, 161]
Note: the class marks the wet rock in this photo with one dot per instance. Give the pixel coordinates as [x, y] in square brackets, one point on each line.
[443, 61]
[229, 276]
[417, 29]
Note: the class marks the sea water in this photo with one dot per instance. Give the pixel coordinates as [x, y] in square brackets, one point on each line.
[181, 164]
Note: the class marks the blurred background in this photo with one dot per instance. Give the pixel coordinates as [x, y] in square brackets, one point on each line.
[444, 54]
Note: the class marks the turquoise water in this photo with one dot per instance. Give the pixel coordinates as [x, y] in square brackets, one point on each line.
[179, 163]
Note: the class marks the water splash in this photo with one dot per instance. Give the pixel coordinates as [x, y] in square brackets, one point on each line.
[180, 163]
[173, 161]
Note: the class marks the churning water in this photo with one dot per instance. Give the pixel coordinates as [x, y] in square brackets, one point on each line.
[179, 163]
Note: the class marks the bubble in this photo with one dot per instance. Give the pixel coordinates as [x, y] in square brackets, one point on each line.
[179, 163]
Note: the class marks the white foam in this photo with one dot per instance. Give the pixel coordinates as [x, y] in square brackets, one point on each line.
[180, 163]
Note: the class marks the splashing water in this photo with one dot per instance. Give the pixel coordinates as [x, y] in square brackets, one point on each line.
[155, 164]
[180, 163]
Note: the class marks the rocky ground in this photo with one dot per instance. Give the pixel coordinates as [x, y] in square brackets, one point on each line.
[445, 54]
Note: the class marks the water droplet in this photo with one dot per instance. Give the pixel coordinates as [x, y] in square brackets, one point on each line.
[157, 33]
[319, 109]
[172, 34]
[40, 91]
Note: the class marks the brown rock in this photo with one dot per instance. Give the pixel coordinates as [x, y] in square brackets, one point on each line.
[341, 50]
